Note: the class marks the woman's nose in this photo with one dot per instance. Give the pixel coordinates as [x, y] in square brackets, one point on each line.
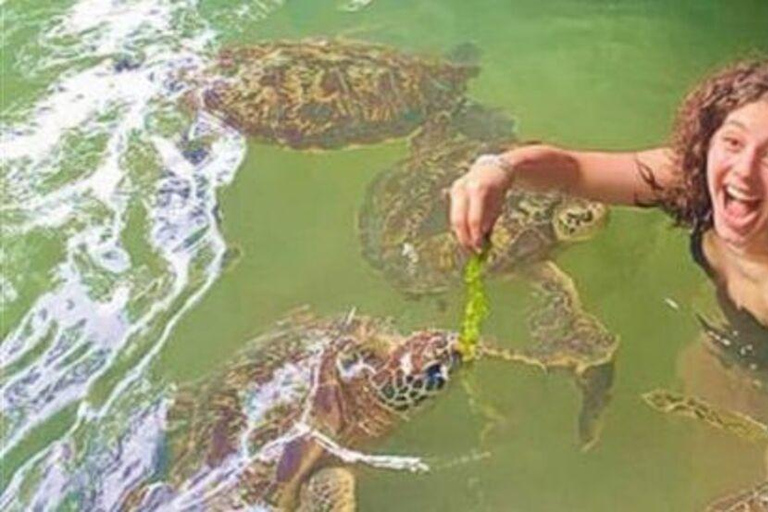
[748, 164]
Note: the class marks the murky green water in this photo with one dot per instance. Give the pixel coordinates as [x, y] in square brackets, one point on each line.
[587, 74]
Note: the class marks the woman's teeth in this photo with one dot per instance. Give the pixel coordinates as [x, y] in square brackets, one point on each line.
[740, 206]
[740, 195]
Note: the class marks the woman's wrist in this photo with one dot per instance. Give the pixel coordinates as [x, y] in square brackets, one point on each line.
[520, 160]
[514, 164]
[498, 161]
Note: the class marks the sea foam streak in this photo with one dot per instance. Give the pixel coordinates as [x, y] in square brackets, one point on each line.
[110, 234]
[101, 170]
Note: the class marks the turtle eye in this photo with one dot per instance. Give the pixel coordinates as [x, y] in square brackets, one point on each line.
[346, 360]
[434, 377]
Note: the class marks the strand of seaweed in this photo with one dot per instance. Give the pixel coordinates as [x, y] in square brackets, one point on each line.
[476, 307]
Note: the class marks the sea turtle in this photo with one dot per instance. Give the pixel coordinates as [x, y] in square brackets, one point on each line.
[403, 227]
[272, 428]
[330, 93]
[403, 221]
[754, 499]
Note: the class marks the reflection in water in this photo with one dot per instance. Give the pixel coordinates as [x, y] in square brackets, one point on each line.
[277, 427]
[99, 460]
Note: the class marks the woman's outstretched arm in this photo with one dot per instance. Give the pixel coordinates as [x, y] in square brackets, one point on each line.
[612, 177]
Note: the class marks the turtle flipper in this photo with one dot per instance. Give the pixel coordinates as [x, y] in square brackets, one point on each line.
[491, 128]
[490, 125]
[736, 423]
[329, 490]
[569, 338]
[595, 385]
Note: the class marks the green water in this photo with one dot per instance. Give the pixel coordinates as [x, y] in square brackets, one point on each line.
[589, 74]
[593, 74]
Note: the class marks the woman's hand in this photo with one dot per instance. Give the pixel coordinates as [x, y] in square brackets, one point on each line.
[477, 198]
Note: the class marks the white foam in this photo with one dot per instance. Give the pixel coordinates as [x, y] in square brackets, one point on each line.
[354, 5]
[85, 312]
[85, 309]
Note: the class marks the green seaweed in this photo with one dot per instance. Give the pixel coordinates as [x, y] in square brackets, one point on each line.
[475, 308]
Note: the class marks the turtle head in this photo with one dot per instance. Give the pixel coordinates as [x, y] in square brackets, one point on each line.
[465, 54]
[492, 126]
[576, 219]
[417, 369]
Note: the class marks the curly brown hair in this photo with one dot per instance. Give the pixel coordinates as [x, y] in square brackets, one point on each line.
[699, 117]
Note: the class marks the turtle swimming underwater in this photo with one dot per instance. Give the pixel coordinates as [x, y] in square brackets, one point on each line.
[331, 93]
[753, 499]
[403, 221]
[263, 432]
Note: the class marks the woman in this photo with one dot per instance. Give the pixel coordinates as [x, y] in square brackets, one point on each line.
[712, 179]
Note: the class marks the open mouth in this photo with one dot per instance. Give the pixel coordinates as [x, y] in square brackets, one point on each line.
[740, 206]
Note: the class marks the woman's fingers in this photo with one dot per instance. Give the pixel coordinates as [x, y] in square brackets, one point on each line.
[476, 200]
[476, 212]
[458, 213]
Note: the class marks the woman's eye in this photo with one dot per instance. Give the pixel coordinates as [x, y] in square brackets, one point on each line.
[731, 143]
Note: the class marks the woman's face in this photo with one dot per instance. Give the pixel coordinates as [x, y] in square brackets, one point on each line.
[737, 178]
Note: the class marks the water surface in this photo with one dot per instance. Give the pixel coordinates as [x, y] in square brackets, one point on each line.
[113, 242]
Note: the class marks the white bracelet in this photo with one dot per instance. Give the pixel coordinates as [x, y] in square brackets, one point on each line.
[496, 161]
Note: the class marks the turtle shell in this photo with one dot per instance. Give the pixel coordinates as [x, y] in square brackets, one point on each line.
[330, 93]
[404, 229]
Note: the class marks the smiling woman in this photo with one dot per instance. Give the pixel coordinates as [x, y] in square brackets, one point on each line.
[737, 177]
[712, 179]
